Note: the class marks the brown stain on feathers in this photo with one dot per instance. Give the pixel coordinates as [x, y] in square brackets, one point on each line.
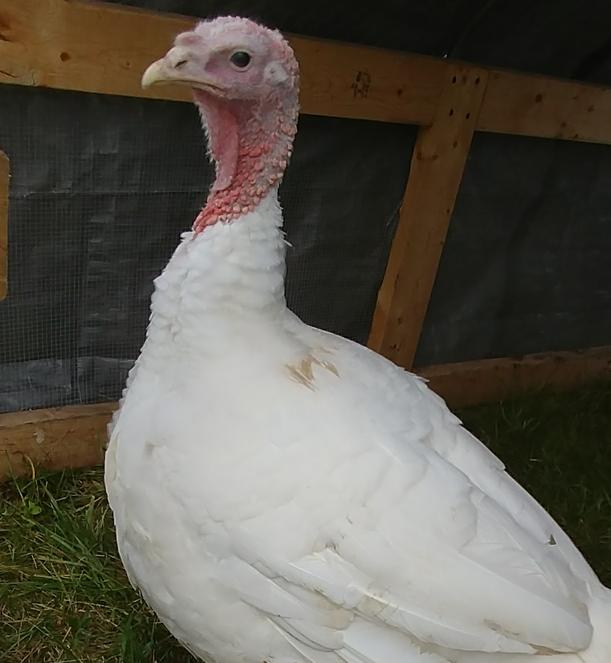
[544, 651]
[303, 372]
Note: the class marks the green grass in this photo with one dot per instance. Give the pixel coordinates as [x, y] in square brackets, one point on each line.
[559, 448]
[64, 597]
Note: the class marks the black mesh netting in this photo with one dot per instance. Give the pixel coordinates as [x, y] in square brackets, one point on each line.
[526, 265]
[103, 186]
[101, 189]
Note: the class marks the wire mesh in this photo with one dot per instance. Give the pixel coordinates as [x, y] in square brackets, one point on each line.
[101, 189]
[103, 186]
[525, 267]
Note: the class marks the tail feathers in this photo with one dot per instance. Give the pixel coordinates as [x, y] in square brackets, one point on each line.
[599, 650]
[366, 643]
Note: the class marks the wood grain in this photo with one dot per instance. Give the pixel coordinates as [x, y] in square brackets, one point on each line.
[104, 48]
[437, 165]
[489, 380]
[4, 186]
[53, 439]
[546, 107]
[96, 47]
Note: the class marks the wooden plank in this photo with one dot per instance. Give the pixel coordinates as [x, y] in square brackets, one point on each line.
[103, 48]
[4, 184]
[546, 107]
[436, 170]
[489, 380]
[53, 439]
[97, 47]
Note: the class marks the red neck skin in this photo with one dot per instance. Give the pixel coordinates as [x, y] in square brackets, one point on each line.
[250, 142]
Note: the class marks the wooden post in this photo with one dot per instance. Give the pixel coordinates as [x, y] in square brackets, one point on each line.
[436, 170]
[4, 174]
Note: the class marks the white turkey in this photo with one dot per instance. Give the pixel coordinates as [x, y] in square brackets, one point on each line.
[284, 495]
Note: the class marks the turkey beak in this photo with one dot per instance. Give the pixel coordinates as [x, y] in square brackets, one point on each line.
[173, 68]
[155, 74]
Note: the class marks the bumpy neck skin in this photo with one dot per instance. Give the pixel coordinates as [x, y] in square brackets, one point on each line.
[250, 142]
[226, 290]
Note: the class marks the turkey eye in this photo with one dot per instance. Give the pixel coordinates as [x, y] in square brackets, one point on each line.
[240, 59]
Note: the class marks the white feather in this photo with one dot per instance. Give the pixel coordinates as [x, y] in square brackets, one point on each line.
[285, 495]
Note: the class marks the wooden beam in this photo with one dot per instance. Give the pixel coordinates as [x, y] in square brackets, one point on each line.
[53, 439]
[489, 380]
[103, 48]
[97, 47]
[4, 183]
[437, 165]
[546, 107]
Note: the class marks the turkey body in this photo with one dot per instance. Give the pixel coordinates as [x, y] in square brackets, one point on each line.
[284, 495]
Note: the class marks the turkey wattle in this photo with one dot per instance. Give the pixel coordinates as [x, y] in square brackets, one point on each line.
[284, 495]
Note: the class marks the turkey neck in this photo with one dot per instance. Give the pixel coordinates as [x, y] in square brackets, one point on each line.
[224, 287]
[250, 142]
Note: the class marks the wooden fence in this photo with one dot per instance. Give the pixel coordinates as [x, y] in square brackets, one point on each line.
[103, 48]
